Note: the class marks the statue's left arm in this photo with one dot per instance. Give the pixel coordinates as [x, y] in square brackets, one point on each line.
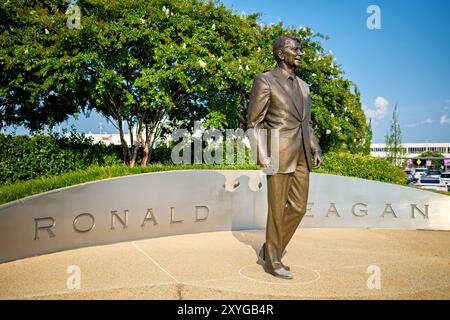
[315, 148]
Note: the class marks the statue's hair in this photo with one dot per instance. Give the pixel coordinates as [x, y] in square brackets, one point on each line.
[280, 44]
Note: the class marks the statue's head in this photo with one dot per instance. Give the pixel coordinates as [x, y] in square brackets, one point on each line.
[287, 50]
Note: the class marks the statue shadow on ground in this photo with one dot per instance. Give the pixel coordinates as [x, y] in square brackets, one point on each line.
[252, 238]
[243, 225]
[244, 192]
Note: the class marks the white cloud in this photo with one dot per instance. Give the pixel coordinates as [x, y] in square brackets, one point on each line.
[416, 124]
[448, 101]
[444, 120]
[381, 102]
[379, 112]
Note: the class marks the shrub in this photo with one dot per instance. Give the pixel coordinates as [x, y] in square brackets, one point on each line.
[161, 154]
[24, 157]
[361, 166]
[22, 189]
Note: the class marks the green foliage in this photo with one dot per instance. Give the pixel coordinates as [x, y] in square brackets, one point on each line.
[27, 188]
[362, 166]
[41, 74]
[339, 163]
[431, 153]
[24, 158]
[145, 61]
[434, 154]
[394, 149]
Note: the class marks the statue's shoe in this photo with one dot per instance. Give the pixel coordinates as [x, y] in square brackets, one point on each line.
[282, 273]
[262, 255]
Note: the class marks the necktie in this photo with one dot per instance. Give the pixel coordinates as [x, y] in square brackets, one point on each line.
[296, 94]
[291, 83]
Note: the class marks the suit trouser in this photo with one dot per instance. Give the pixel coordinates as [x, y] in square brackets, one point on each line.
[287, 199]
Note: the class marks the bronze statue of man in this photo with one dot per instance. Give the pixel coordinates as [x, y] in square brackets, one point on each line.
[280, 106]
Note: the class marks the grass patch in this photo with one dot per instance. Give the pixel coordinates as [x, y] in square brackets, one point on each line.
[21, 189]
[18, 190]
[445, 193]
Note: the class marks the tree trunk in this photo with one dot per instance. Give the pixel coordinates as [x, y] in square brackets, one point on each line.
[139, 141]
[147, 145]
[123, 142]
[134, 146]
[130, 131]
[151, 133]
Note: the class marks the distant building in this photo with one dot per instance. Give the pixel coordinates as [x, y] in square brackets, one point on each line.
[113, 138]
[412, 150]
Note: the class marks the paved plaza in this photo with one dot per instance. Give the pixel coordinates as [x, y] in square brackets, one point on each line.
[327, 264]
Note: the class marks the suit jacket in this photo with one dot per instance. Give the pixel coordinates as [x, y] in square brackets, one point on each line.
[286, 116]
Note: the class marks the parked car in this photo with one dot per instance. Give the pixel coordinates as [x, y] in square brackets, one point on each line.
[434, 173]
[419, 172]
[409, 176]
[445, 176]
[432, 183]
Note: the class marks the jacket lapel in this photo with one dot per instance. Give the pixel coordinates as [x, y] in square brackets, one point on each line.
[284, 85]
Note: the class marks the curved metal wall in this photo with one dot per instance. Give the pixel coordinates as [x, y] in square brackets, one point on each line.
[194, 201]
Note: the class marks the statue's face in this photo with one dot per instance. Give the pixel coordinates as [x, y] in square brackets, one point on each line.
[292, 53]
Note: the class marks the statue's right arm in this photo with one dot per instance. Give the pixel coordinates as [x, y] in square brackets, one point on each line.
[257, 109]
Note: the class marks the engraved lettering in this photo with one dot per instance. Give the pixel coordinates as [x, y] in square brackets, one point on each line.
[309, 214]
[47, 227]
[124, 221]
[414, 208]
[388, 209]
[332, 210]
[205, 216]
[365, 212]
[74, 224]
[172, 216]
[149, 217]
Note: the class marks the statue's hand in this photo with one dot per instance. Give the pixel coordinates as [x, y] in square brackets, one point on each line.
[267, 166]
[317, 160]
[266, 163]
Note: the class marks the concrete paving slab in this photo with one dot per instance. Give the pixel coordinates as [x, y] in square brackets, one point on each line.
[327, 264]
[103, 268]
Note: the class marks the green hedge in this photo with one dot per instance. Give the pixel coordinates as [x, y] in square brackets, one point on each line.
[23, 189]
[30, 165]
[24, 157]
[361, 166]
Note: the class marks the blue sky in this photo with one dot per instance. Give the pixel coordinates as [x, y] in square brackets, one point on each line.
[406, 62]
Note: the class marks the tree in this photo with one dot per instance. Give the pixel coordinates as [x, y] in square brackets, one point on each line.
[158, 65]
[146, 66]
[394, 149]
[339, 120]
[432, 154]
[40, 82]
